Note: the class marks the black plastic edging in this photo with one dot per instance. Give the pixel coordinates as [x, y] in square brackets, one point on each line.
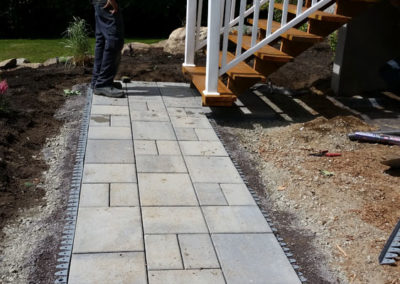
[67, 240]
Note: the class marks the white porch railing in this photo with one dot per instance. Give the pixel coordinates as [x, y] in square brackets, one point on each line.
[222, 18]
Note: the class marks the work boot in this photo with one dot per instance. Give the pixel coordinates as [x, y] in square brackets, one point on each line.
[117, 85]
[109, 92]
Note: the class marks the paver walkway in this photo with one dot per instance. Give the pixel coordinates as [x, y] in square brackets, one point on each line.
[161, 201]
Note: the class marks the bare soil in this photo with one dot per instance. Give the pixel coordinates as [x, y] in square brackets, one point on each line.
[335, 226]
[38, 139]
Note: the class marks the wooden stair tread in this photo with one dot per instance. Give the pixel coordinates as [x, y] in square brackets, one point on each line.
[198, 75]
[318, 15]
[291, 34]
[241, 70]
[266, 53]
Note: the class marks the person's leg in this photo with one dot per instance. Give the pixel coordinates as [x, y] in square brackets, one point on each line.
[99, 49]
[112, 30]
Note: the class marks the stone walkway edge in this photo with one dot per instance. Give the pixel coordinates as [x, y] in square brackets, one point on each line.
[161, 200]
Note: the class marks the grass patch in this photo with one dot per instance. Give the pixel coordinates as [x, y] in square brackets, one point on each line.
[38, 50]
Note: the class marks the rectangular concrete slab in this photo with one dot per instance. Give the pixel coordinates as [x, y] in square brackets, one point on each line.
[203, 148]
[193, 276]
[206, 134]
[120, 121]
[157, 106]
[139, 105]
[111, 110]
[198, 251]
[149, 115]
[186, 134]
[106, 268]
[253, 258]
[190, 122]
[237, 194]
[210, 194]
[124, 194]
[94, 195]
[212, 169]
[152, 130]
[113, 133]
[173, 220]
[102, 100]
[235, 219]
[109, 173]
[162, 252]
[160, 164]
[166, 190]
[99, 121]
[168, 147]
[109, 151]
[145, 147]
[115, 229]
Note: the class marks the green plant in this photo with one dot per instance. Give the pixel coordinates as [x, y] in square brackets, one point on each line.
[78, 40]
[333, 39]
[3, 100]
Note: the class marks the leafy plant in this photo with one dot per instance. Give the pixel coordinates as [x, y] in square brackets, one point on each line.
[333, 39]
[3, 100]
[78, 40]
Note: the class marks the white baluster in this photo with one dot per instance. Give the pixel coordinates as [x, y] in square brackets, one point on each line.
[190, 40]
[254, 31]
[240, 27]
[199, 17]
[212, 71]
[226, 32]
[313, 2]
[299, 7]
[233, 7]
[270, 17]
[284, 12]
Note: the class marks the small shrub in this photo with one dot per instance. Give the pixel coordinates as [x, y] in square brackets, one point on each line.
[78, 40]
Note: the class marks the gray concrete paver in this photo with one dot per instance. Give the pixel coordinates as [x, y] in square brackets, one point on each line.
[152, 130]
[124, 194]
[235, 219]
[107, 133]
[115, 229]
[193, 276]
[253, 258]
[120, 121]
[166, 190]
[210, 194]
[162, 252]
[145, 147]
[212, 169]
[160, 164]
[106, 268]
[198, 251]
[109, 173]
[94, 195]
[109, 151]
[173, 220]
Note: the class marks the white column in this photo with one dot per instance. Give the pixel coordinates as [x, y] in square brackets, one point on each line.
[214, 20]
[190, 40]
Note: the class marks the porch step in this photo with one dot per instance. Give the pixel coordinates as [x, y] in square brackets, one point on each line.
[291, 34]
[242, 76]
[198, 76]
[241, 70]
[266, 53]
[318, 15]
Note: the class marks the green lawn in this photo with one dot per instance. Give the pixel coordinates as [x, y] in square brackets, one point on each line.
[38, 50]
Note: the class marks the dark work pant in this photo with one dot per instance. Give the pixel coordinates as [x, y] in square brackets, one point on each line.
[109, 43]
